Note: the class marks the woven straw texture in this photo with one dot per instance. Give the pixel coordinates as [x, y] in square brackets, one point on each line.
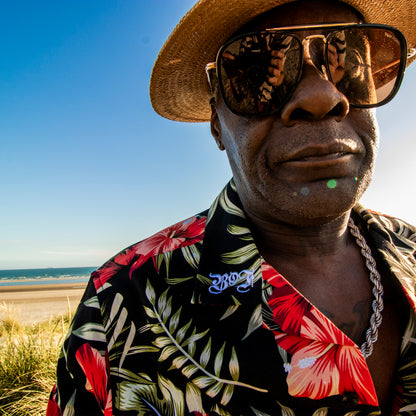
[178, 86]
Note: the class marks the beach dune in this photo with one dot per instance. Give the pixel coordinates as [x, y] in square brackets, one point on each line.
[35, 303]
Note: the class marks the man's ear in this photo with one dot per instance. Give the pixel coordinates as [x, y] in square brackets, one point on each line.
[216, 127]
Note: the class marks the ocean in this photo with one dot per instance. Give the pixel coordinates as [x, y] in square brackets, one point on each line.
[45, 276]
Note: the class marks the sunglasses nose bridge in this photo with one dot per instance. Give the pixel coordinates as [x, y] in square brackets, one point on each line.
[310, 49]
[313, 53]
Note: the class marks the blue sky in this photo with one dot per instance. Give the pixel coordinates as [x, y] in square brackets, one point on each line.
[87, 167]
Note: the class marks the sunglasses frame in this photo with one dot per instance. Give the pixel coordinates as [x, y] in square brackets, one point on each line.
[291, 30]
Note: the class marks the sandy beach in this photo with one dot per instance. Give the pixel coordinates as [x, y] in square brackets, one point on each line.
[35, 303]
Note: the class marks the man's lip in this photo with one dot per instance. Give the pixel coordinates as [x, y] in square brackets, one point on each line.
[318, 154]
[326, 156]
[327, 161]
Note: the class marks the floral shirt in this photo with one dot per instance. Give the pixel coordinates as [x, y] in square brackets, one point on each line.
[192, 321]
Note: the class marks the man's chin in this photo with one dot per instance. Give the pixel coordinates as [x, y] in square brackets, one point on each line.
[318, 202]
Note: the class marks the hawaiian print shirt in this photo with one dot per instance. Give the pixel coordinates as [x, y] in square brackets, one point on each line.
[192, 321]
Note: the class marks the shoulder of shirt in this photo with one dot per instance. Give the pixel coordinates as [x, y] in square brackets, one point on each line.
[150, 253]
[398, 231]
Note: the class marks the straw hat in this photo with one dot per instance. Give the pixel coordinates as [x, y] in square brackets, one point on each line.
[178, 86]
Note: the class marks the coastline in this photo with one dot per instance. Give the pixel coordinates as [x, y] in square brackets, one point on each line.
[32, 303]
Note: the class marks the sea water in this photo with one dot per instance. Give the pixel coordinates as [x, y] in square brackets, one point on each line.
[45, 276]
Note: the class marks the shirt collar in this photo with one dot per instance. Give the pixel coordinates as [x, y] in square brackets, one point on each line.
[395, 241]
[230, 264]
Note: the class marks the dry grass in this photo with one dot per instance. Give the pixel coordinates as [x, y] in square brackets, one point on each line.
[28, 356]
[10, 322]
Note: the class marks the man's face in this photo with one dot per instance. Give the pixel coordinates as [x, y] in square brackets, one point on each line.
[310, 162]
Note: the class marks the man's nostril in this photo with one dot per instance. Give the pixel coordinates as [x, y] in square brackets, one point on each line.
[299, 114]
[337, 110]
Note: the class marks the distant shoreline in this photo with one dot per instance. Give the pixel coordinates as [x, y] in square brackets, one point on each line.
[25, 269]
[40, 277]
[42, 287]
[41, 282]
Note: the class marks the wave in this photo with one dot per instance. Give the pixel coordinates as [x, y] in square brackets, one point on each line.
[63, 273]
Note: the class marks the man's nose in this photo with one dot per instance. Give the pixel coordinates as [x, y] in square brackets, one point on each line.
[315, 98]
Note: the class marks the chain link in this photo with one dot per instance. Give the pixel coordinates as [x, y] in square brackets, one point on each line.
[377, 304]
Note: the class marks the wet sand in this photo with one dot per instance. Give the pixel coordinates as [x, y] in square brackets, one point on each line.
[35, 303]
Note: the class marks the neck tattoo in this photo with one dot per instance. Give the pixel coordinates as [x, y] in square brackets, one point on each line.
[377, 304]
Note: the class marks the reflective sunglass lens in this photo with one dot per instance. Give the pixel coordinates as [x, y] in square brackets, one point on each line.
[259, 72]
[364, 64]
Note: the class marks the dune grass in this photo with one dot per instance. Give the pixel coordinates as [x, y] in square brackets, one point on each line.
[28, 356]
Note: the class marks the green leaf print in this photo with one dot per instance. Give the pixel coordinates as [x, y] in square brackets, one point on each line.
[255, 322]
[150, 294]
[258, 412]
[227, 395]
[91, 332]
[229, 206]
[193, 398]
[172, 395]
[130, 376]
[233, 365]
[144, 399]
[230, 310]
[115, 307]
[176, 342]
[92, 302]
[286, 411]
[219, 360]
[192, 255]
[323, 411]
[172, 343]
[242, 255]
[206, 354]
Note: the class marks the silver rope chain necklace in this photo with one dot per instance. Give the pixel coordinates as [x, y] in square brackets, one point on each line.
[377, 304]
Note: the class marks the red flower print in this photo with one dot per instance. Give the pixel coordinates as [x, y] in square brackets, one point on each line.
[182, 234]
[53, 408]
[104, 273]
[96, 369]
[324, 361]
[287, 304]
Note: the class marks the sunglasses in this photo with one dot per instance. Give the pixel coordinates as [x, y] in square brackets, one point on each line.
[258, 72]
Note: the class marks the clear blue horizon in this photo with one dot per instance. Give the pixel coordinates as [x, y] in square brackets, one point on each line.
[88, 168]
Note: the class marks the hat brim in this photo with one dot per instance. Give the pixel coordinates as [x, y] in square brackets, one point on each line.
[178, 85]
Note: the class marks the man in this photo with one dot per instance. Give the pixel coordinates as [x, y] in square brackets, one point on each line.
[286, 297]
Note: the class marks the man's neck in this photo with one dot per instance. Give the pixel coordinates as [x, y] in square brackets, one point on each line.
[294, 242]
